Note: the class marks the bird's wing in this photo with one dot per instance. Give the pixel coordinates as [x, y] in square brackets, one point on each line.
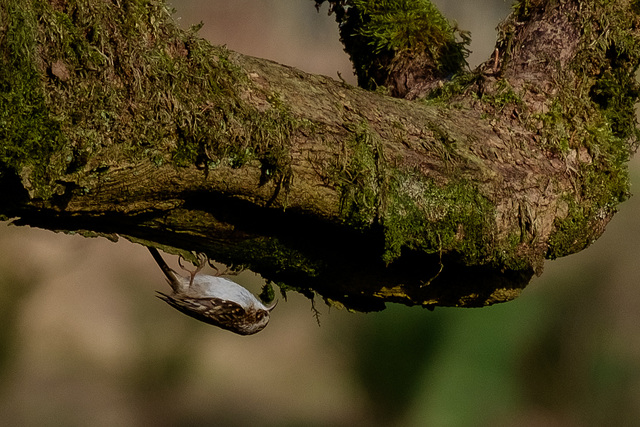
[214, 311]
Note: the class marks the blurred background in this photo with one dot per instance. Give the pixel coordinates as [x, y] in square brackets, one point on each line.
[84, 342]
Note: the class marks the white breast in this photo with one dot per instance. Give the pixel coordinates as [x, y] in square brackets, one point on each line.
[204, 286]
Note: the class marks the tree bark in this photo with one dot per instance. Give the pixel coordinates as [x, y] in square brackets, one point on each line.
[116, 123]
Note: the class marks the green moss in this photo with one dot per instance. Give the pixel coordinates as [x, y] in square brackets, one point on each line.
[603, 180]
[553, 128]
[508, 254]
[29, 135]
[599, 115]
[374, 32]
[416, 213]
[270, 256]
[422, 215]
[571, 232]
[267, 293]
[458, 84]
[406, 24]
[522, 9]
[358, 177]
[504, 95]
[110, 85]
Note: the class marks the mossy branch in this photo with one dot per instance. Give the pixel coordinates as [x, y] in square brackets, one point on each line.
[115, 122]
[402, 45]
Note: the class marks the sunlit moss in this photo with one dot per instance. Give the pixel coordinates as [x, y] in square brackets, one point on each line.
[29, 135]
[374, 32]
[359, 179]
[110, 85]
[422, 215]
[595, 112]
[600, 114]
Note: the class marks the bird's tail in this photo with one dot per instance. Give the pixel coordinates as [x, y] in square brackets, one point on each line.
[172, 276]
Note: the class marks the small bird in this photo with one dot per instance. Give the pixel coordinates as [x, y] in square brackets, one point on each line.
[214, 300]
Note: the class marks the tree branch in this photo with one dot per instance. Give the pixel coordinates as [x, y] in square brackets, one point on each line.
[116, 122]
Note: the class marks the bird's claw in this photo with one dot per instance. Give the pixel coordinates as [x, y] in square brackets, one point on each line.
[202, 260]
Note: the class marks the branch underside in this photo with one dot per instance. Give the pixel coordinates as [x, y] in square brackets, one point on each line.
[149, 133]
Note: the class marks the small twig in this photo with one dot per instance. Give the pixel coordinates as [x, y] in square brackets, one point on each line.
[496, 61]
[226, 272]
[428, 282]
[316, 312]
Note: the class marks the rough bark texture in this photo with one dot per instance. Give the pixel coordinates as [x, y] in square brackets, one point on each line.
[114, 122]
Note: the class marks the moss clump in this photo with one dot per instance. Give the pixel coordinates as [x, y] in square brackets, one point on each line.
[504, 95]
[443, 96]
[553, 128]
[405, 24]
[425, 216]
[571, 232]
[267, 293]
[86, 86]
[375, 33]
[359, 179]
[594, 109]
[269, 255]
[416, 213]
[29, 135]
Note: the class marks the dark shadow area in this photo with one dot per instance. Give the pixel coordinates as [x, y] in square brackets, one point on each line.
[303, 253]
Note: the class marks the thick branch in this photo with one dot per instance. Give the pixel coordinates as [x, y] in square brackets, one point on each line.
[127, 125]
